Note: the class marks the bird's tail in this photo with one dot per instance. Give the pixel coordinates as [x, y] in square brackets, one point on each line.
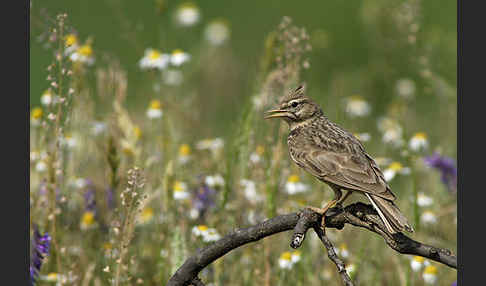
[391, 215]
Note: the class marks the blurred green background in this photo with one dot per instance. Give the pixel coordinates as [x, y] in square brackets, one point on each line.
[398, 56]
[340, 33]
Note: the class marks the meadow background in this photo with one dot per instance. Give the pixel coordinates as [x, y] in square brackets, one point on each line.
[139, 157]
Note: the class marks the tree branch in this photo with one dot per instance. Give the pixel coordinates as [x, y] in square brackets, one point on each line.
[358, 214]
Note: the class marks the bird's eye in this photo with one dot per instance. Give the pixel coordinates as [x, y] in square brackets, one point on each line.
[294, 104]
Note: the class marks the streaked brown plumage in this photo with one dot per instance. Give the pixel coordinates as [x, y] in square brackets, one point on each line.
[336, 157]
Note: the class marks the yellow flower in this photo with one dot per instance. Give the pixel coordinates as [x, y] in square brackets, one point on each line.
[396, 166]
[138, 132]
[87, 220]
[85, 50]
[37, 113]
[155, 104]
[260, 150]
[52, 277]
[293, 179]
[419, 259]
[146, 215]
[107, 245]
[154, 54]
[184, 150]
[70, 40]
[178, 186]
[287, 255]
[430, 269]
[202, 227]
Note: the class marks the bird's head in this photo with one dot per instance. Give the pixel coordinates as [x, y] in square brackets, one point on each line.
[295, 108]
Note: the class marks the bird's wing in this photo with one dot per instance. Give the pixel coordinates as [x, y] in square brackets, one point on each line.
[347, 170]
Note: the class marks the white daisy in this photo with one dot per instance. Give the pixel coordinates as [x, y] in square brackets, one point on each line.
[214, 181]
[392, 131]
[154, 59]
[285, 260]
[211, 235]
[210, 144]
[294, 186]
[428, 217]
[70, 44]
[393, 169]
[424, 200]
[416, 263]
[83, 54]
[405, 88]
[187, 14]
[356, 106]
[178, 57]
[217, 32]
[184, 154]
[180, 192]
[155, 109]
[250, 191]
[257, 156]
[418, 142]
[97, 128]
[430, 274]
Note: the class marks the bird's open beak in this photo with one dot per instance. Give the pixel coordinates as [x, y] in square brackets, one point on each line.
[274, 113]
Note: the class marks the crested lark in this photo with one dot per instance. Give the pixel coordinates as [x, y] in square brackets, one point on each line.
[335, 157]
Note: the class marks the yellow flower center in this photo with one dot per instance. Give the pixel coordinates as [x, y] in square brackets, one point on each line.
[154, 54]
[147, 214]
[260, 150]
[343, 246]
[419, 259]
[356, 98]
[37, 113]
[47, 93]
[286, 255]
[430, 270]
[293, 179]
[88, 218]
[52, 276]
[138, 132]
[178, 187]
[184, 150]
[202, 227]
[177, 52]
[420, 135]
[107, 245]
[85, 50]
[296, 253]
[396, 166]
[155, 104]
[70, 40]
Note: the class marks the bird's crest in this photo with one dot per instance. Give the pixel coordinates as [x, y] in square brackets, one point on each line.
[296, 93]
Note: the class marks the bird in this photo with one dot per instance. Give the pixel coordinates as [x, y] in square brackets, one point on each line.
[336, 157]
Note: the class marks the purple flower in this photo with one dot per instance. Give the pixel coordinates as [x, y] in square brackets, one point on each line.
[447, 167]
[454, 283]
[204, 198]
[110, 199]
[89, 198]
[40, 249]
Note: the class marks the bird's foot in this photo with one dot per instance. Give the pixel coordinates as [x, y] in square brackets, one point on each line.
[322, 211]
